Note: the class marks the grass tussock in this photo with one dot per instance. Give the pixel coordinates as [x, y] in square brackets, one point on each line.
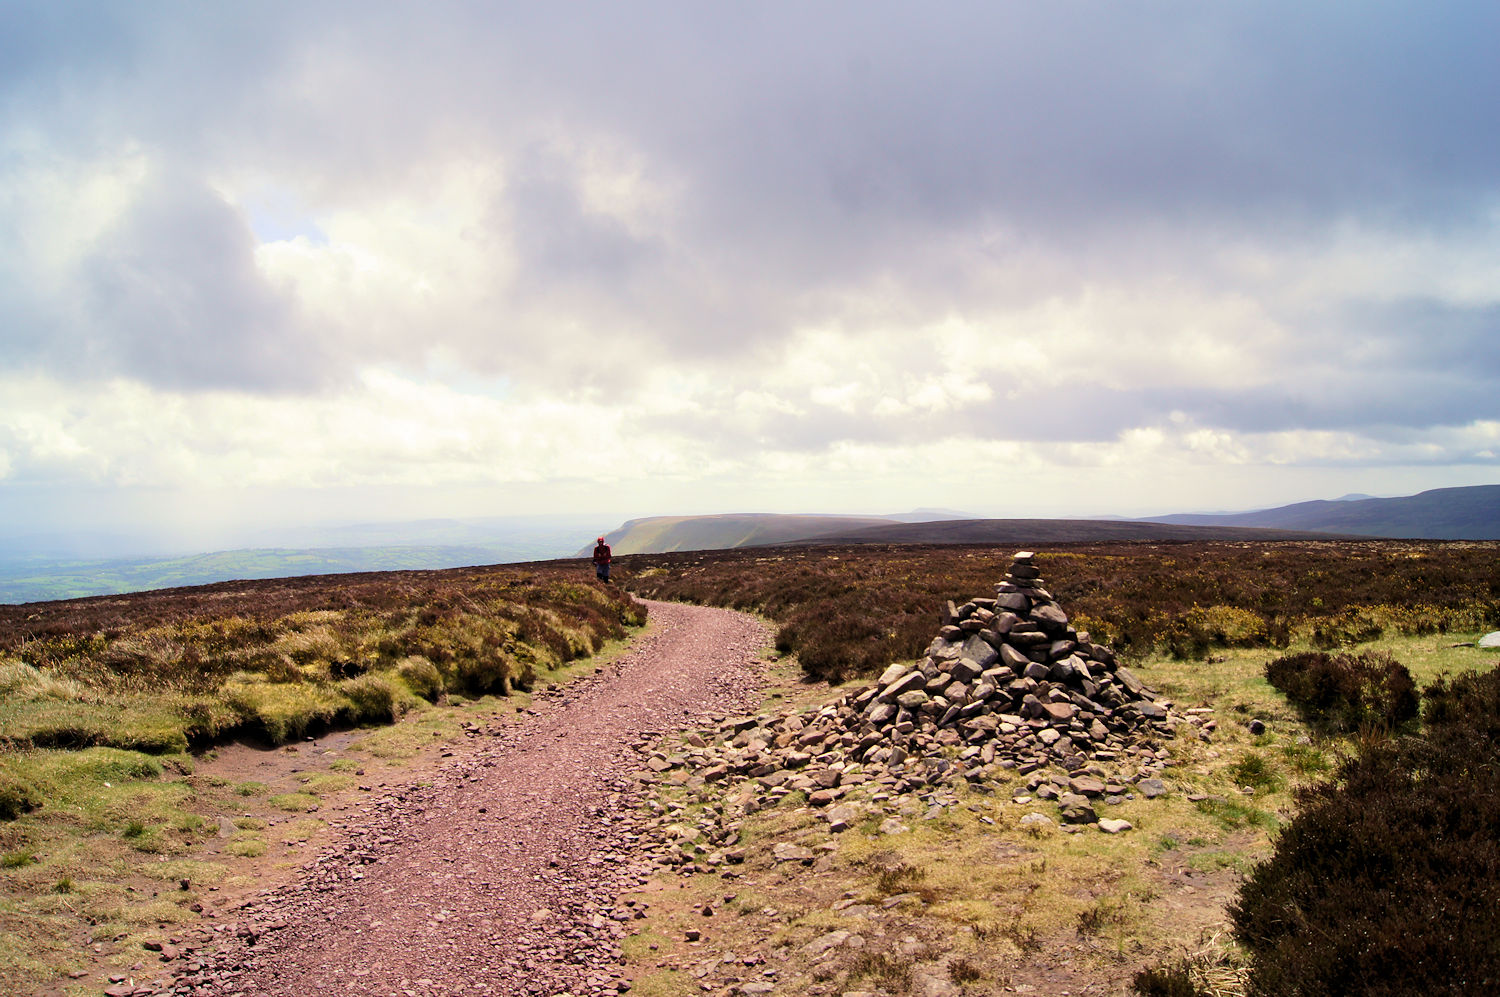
[159, 672]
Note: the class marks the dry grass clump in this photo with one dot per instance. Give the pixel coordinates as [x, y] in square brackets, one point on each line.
[280, 659]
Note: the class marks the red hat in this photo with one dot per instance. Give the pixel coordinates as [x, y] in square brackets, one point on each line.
[601, 539]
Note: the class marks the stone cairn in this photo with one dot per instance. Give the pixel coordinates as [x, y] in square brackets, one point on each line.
[1006, 688]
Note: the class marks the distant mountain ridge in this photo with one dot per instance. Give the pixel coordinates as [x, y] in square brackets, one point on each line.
[1044, 531]
[665, 534]
[1467, 513]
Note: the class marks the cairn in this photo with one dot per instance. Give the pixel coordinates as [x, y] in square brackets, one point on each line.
[1012, 678]
[1006, 688]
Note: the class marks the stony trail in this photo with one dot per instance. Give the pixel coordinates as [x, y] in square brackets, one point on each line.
[502, 876]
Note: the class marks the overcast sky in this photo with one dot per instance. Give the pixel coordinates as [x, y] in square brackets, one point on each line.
[281, 262]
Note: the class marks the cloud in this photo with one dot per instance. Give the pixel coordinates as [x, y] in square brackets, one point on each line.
[175, 286]
[736, 241]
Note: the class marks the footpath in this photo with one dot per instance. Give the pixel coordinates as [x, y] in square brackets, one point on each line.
[502, 875]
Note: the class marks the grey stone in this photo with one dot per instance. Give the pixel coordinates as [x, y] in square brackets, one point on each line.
[818, 946]
[1152, 788]
[980, 652]
[1015, 602]
[1114, 825]
[1050, 617]
[906, 683]
[892, 673]
[941, 650]
[1013, 658]
[1491, 639]
[967, 669]
[1087, 785]
[1059, 712]
[1149, 711]
[1075, 809]
[1128, 679]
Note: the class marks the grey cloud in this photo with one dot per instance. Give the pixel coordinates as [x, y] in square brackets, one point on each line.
[173, 297]
[829, 163]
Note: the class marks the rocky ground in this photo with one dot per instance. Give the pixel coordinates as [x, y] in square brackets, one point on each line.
[502, 875]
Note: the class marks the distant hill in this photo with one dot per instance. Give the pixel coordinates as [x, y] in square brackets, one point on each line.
[1471, 513]
[1039, 531]
[664, 534]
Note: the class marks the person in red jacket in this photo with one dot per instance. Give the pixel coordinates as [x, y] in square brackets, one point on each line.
[601, 560]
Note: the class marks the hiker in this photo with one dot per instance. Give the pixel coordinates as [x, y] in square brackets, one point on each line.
[601, 560]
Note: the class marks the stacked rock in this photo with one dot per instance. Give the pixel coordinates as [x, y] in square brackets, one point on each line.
[1012, 669]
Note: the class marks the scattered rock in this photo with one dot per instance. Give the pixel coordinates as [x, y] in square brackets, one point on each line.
[1112, 825]
[832, 940]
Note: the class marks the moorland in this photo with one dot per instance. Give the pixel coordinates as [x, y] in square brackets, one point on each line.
[1323, 822]
[109, 701]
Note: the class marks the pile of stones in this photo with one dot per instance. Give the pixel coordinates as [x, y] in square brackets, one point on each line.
[1008, 687]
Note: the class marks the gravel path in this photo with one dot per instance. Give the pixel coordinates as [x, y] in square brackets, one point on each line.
[502, 876]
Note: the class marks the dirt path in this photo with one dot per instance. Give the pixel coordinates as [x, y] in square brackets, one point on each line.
[500, 877]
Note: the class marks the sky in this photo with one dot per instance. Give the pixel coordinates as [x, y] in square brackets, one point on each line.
[290, 263]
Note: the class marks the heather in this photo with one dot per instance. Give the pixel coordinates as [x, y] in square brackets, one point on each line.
[852, 610]
[1388, 879]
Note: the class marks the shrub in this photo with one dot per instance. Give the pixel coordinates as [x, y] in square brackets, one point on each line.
[1388, 880]
[1344, 693]
[1355, 625]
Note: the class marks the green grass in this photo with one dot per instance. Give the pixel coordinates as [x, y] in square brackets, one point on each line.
[294, 802]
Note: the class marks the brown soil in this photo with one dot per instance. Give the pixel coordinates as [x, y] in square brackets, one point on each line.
[501, 875]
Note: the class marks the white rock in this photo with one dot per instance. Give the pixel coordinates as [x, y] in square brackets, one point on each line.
[1112, 825]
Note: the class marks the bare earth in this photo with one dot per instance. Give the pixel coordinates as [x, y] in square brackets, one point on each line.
[502, 876]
